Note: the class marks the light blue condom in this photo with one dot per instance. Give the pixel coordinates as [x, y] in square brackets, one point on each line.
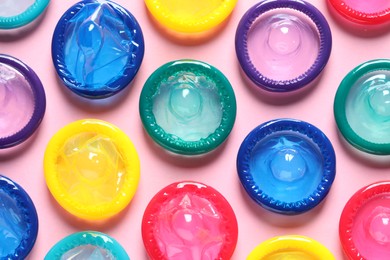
[18, 13]
[286, 165]
[97, 48]
[87, 245]
[18, 221]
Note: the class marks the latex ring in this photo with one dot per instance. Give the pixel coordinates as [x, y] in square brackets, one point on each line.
[190, 16]
[364, 224]
[363, 12]
[87, 245]
[14, 14]
[361, 107]
[291, 247]
[286, 166]
[283, 45]
[188, 107]
[187, 219]
[92, 169]
[97, 48]
[22, 101]
[19, 221]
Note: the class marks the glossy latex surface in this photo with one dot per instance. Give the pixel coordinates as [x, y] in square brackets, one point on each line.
[188, 106]
[16, 101]
[87, 252]
[189, 220]
[190, 16]
[283, 44]
[12, 225]
[91, 169]
[10, 8]
[91, 245]
[286, 165]
[290, 247]
[364, 224]
[18, 221]
[16, 14]
[371, 228]
[22, 101]
[368, 7]
[371, 13]
[362, 107]
[368, 107]
[101, 47]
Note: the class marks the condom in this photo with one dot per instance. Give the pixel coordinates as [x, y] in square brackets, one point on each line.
[16, 14]
[92, 169]
[22, 101]
[87, 245]
[291, 247]
[191, 16]
[364, 223]
[188, 107]
[97, 48]
[18, 221]
[189, 220]
[286, 166]
[362, 107]
[362, 12]
[283, 45]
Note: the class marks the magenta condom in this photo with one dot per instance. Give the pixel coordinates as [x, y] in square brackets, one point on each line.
[283, 45]
[22, 101]
[189, 220]
[364, 226]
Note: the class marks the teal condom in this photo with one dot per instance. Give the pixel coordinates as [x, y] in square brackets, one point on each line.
[362, 107]
[15, 14]
[188, 107]
[87, 245]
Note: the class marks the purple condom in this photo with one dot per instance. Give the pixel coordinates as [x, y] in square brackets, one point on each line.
[283, 45]
[22, 101]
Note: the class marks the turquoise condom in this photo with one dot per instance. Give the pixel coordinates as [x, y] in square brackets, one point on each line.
[188, 107]
[87, 245]
[362, 107]
[15, 14]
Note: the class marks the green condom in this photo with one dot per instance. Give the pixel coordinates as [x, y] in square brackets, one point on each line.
[188, 107]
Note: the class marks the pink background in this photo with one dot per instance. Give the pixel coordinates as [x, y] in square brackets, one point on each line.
[24, 164]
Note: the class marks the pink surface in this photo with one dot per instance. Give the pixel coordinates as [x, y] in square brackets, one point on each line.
[23, 164]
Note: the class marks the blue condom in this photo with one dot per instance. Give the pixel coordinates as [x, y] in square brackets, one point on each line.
[287, 166]
[18, 221]
[97, 48]
[87, 245]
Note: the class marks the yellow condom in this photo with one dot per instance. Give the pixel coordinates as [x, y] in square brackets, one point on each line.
[290, 248]
[92, 169]
[190, 16]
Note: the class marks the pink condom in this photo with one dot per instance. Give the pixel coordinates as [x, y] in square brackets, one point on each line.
[189, 220]
[365, 223]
